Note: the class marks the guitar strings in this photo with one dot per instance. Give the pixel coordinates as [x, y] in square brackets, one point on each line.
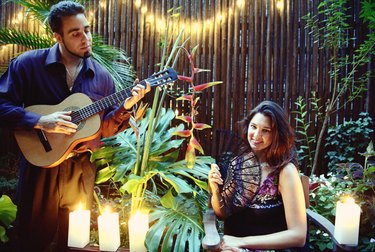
[110, 100]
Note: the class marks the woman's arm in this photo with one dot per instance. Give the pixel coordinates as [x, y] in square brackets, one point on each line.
[290, 187]
[214, 180]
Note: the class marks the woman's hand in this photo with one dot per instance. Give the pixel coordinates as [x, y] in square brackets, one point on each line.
[214, 178]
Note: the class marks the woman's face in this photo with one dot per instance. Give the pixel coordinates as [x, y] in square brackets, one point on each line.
[259, 133]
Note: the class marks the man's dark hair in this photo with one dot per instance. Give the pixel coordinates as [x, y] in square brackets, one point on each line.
[63, 9]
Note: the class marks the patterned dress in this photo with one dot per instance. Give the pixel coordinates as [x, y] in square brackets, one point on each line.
[252, 208]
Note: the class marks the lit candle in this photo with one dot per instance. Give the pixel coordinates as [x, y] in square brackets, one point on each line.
[79, 228]
[347, 222]
[138, 227]
[109, 231]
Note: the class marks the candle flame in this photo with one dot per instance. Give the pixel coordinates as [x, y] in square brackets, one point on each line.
[139, 217]
[107, 210]
[348, 200]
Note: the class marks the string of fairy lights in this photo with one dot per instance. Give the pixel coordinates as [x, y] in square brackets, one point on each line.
[158, 23]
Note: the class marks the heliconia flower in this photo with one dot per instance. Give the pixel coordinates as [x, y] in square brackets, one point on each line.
[185, 118]
[185, 78]
[194, 143]
[201, 126]
[182, 133]
[193, 103]
[185, 98]
[194, 49]
[190, 156]
[206, 85]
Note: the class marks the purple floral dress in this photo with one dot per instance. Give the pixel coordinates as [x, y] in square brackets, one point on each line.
[255, 211]
[263, 213]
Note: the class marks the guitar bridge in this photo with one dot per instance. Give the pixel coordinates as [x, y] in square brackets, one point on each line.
[43, 139]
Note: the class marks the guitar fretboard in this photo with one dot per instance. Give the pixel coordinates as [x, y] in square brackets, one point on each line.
[161, 78]
[100, 105]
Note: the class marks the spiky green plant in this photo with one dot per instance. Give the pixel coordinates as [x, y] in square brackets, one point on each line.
[113, 59]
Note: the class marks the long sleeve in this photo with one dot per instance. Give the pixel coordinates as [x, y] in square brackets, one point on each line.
[12, 113]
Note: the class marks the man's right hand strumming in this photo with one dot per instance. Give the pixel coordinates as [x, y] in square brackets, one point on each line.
[57, 122]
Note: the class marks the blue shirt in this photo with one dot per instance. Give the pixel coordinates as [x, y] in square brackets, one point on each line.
[39, 77]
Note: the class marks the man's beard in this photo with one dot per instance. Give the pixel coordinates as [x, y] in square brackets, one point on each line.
[85, 55]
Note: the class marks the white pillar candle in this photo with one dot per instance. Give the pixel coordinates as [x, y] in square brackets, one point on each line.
[138, 227]
[109, 231]
[79, 228]
[347, 222]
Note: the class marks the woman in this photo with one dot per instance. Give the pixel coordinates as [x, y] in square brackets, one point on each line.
[261, 200]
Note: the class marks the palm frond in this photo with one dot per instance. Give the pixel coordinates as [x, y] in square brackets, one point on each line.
[29, 40]
[37, 9]
[115, 61]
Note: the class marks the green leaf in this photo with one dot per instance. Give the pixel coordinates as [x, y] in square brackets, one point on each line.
[132, 184]
[180, 226]
[8, 211]
[3, 236]
[167, 200]
[180, 185]
[104, 175]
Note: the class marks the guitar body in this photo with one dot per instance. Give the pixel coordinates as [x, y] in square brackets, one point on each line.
[50, 149]
[60, 144]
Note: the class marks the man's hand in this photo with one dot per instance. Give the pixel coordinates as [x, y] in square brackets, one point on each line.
[58, 122]
[138, 93]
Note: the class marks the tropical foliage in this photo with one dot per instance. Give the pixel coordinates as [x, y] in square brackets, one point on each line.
[331, 31]
[165, 177]
[144, 162]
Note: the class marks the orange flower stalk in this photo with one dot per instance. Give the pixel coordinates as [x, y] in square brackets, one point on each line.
[190, 119]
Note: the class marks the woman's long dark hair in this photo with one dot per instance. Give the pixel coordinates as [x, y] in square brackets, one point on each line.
[282, 149]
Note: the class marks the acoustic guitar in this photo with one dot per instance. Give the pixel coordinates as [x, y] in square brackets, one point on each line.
[48, 150]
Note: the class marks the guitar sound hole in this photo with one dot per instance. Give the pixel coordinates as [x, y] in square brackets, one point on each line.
[75, 115]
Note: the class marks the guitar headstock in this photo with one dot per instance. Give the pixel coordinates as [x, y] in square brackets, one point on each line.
[166, 76]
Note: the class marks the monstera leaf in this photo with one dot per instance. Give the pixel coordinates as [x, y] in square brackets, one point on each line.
[177, 226]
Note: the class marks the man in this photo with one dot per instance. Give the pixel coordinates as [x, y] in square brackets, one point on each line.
[45, 196]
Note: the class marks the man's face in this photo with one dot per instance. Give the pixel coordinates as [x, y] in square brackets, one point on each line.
[76, 37]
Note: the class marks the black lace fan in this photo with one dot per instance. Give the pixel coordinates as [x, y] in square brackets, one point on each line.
[239, 168]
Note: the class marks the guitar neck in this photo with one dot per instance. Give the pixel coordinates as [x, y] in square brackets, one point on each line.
[161, 78]
[102, 104]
